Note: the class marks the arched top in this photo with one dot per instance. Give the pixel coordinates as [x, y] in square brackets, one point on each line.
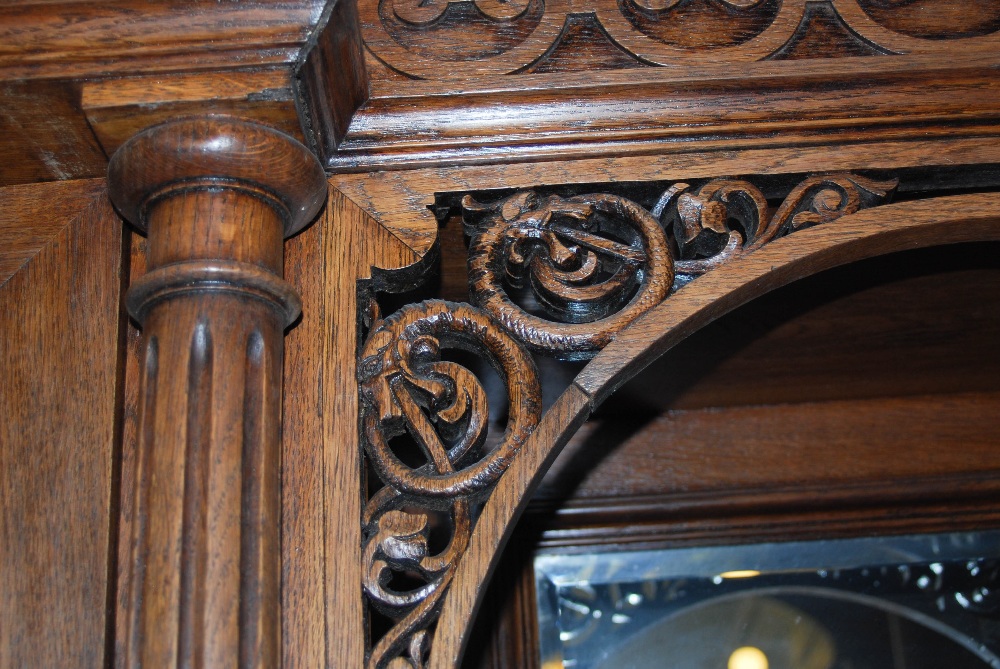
[866, 234]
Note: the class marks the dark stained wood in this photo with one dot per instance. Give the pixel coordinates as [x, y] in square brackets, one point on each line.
[694, 454]
[323, 620]
[43, 134]
[584, 46]
[824, 34]
[129, 449]
[416, 103]
[935, 20]
[180, 58]
[117, 109]
[699, 25]
[332, 79]
[638, 110]
[64, 38]
[919, 322]
[403, 201]
[884, 229]
[867, 233]
[493, 529]
[205, 572]
[60, 315]
[26, 232]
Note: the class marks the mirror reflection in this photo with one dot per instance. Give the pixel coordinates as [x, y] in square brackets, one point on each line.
[926, 602]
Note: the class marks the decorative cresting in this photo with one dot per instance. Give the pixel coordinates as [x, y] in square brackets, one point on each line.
[408, 388]
[595, 263]
[216, 196]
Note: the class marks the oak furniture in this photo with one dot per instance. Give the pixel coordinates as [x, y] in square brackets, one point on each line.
[224, 448]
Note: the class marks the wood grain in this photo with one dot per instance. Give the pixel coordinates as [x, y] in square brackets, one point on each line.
[117, 109]
[869, 233]
[863, 235]
[402, 201]
[303, 555]
[697, 453]
[332, 78]
[25, 232]
[914, 323]
[80, 39]
[494, 526]
[349, 249]
[43, 135]
[204, 562]
[61, 319]
[635, 111]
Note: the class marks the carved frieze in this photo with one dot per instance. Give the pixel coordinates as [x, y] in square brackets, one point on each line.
[426, 40]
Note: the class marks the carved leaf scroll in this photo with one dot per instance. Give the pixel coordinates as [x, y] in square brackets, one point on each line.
[595, 263]
[407, 388]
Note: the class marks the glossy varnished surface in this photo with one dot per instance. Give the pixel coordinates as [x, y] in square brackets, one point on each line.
[60, 318]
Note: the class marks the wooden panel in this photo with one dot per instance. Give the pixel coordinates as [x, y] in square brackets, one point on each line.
[921, 322]
[60, 319]
[119, 108]
[777, 447]
[43, 134]
[74, 38]
[403, 200]
[323, 618]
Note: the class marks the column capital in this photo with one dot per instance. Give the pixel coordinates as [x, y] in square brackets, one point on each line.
[217, 152]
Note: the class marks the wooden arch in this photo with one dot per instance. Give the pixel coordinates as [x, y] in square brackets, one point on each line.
[866, 234]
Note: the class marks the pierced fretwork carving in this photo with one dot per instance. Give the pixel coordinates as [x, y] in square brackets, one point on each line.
[407, 388]
[595, 263]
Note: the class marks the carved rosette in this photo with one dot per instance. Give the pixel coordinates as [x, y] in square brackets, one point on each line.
[407, 388]
[592, 264]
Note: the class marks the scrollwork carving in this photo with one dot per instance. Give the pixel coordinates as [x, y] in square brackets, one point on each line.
[702, 221]
[442, 39]
[407, 388]
[595, 263]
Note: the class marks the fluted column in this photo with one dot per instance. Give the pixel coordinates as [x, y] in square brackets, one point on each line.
[217, 196]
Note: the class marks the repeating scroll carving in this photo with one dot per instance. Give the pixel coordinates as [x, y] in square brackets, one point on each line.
[408, 389]
[594, 263]
[426, 39]
[929, 19]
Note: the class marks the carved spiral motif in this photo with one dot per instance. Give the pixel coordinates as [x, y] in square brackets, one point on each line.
[702, 221]
[596, 262]
[407, 388]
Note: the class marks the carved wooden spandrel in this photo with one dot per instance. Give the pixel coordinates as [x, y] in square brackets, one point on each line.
[407, 388]
[595, 263]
